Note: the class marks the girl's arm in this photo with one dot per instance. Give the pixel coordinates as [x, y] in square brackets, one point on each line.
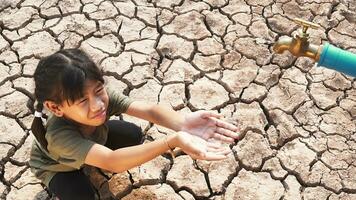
[157, 114]
[126, 158]
[204, 124]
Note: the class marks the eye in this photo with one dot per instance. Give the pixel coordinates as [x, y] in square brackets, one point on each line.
[100, 90]
[82, 100]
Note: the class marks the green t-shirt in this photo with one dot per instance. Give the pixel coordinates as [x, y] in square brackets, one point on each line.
[67, 147]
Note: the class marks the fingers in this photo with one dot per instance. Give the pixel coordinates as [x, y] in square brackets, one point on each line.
[214, 144]
[224, 131]
[226, 125]
[210, 151]
[227, 133]
[194, 149]
[226, 152]
[220, 151]
[216, 154]
[198, 148]
[213, 157]
[223, 138]
[210, 156]
[207, 114]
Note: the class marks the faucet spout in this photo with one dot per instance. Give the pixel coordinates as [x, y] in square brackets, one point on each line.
[282, 44]
[326, 55]
[298, 46]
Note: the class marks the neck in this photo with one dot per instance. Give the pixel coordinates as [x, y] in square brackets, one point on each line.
[87, 130]
[84, 129]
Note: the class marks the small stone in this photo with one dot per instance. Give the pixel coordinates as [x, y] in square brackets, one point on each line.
[249, 116]
[40, 44]
[251, 185]
[206, 94]
[148, 92]
[207, 63]
[153, 192]
[219, 171]
[324, 97]
[297, 157]
[150, 172]
[173, 95]
[28, 192]
[120, 185]
[312, 193]
[18, 108]
[273, 166]
[287, 96]
[252, 150]
[174, 46]
[183, 173]
[10, 131]
[189, 25]
[293, 188]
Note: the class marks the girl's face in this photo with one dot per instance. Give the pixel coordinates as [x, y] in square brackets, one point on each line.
[90, 109]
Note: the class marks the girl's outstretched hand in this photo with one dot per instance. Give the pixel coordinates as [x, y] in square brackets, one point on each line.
[200, 149]
[206, 125]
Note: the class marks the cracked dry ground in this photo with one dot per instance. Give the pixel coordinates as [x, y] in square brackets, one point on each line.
[297, 121]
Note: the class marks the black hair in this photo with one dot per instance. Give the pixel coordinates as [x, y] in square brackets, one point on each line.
[60, 77]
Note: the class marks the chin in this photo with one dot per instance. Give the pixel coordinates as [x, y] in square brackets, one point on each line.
[98, 123]
[93, 122]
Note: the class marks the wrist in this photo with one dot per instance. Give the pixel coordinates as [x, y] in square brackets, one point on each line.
[172, 141]
[179, 122]
[182, 123]
[171, 144]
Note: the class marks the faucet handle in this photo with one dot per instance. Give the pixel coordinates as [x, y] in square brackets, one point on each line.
[306, 24]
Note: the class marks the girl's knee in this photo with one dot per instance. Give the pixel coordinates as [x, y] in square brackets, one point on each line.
[126, 131]
[137, 131]
[78, 193]
[87, 193]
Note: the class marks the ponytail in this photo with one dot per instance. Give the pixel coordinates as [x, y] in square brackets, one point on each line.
[37, 127]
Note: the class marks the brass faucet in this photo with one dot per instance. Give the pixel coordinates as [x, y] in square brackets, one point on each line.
[299, 45]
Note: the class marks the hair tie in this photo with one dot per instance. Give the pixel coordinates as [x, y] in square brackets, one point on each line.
[38, 114]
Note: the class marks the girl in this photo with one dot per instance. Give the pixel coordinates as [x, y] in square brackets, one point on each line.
[78, 131]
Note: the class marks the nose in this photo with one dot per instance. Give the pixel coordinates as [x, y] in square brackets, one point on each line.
[96, 104]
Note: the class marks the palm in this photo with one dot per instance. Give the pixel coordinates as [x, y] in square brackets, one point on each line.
[198, 148]
[195, 124]
[207, 125]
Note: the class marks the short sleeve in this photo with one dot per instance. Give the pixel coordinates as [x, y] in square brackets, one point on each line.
[118, 103]
[68, 146]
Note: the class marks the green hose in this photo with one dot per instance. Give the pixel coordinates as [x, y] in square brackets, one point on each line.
[337, 59]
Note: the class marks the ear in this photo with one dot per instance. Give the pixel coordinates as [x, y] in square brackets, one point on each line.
[54, 108]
